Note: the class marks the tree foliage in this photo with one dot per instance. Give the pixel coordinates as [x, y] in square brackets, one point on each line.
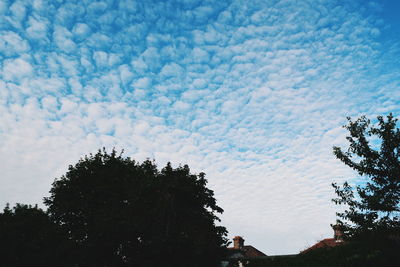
[119, 212]
[374, 152]
[29, 238]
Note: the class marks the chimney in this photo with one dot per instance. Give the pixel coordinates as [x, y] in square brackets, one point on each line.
[238, 242]
[338, 233]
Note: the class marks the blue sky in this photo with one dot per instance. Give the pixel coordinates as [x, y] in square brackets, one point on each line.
[253, 93]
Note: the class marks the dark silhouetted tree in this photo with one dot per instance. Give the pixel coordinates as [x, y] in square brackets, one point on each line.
[374, 152]
[29, 238]
[123, 213]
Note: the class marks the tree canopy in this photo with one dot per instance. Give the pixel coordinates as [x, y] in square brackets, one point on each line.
[374, 152]
[120, 212]
[29, 238]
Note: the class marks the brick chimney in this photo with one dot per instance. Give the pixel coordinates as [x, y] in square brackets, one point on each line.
[338, 233]
[238, 242]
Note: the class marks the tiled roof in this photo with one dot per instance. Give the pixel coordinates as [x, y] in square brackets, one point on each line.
[252, 252]
[325, 243]
[247, 252]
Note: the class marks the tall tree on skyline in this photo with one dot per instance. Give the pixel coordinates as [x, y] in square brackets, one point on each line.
[373, 204]
[123, 213]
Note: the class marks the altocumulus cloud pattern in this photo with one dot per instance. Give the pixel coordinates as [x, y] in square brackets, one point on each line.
[251, 92]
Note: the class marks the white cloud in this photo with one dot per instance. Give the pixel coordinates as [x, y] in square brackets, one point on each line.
[62, 37]
[99, 41]
[125, 74]
[202, 13]
[37, 29]
[81, 30]
[75, 85]
[97, 8]
[68, 106]
[142, 83]
[200, 56]
[12, 44]
[18, 10]
[16, 69]
[101, 58]
[139, 66]
[171, 70]
[152, 58]
[55, 85]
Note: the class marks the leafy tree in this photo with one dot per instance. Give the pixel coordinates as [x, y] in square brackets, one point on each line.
[374, 152]
[123, 213]
[29, 238]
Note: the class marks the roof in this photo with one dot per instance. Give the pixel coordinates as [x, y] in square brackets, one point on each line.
[252, 252]
[324, 243]
[247, 252]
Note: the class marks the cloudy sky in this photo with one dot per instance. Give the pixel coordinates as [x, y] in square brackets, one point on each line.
[253, 93]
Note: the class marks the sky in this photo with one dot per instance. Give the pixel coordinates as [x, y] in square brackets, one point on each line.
[253, 93]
